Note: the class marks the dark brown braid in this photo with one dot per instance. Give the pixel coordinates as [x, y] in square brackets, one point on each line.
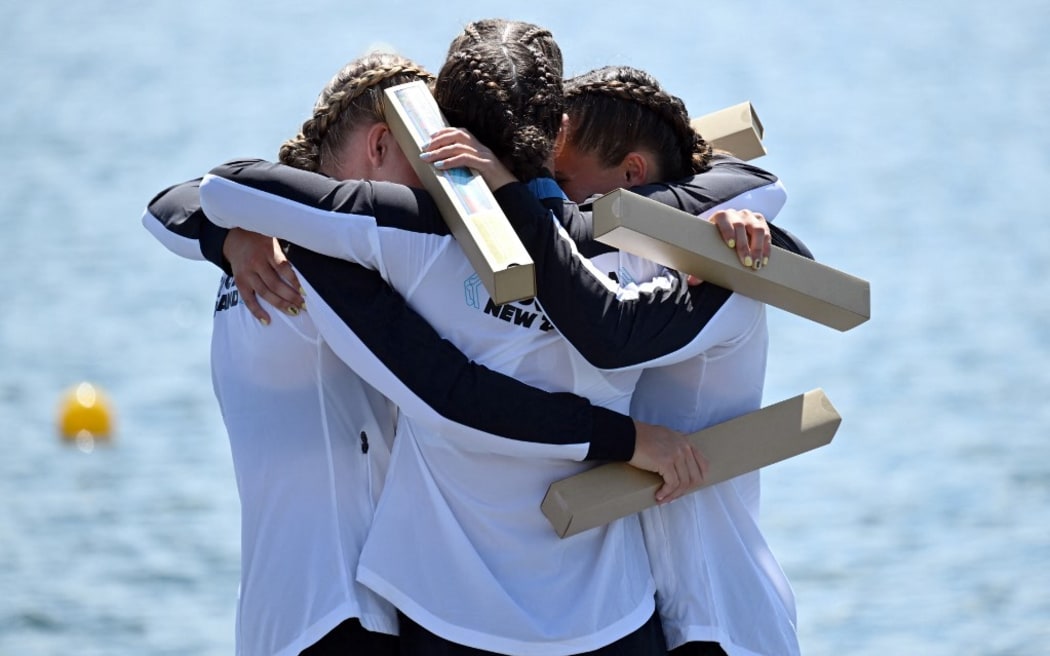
[502, 81]
[618, 109]
[352, 98]
[499, 30]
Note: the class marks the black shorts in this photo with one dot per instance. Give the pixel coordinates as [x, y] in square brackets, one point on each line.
[699, 649]
[648, 640]
[352, 639]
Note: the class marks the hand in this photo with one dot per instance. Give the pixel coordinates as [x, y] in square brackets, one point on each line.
[669, 454]
[453, 147]
[260, 268]
[748, 233]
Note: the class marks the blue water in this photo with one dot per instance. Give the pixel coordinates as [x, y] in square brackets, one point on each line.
[914, 142]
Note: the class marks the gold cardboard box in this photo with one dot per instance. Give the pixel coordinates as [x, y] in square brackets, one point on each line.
[735, 129]
[758, 439]
[693, 245]
[465, 201]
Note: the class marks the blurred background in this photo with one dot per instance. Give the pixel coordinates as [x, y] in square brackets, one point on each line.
[914, 143]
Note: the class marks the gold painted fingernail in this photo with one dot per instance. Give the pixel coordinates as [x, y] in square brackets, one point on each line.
[748, 261]
[731, 243]
[765, 261]
[302, 292]
[294, 311]
[264, 321]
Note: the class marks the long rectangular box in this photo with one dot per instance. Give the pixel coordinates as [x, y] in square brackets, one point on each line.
[465, 201]
[734, 129]
[758, 439]
[693, 245]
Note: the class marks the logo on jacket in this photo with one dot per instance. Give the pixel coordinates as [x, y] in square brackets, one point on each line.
[228, 295]
[527, 317]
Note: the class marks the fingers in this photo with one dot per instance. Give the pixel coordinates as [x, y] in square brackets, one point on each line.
[747, 233]
[666, 493]
[702, 464]
[445, 158]
[261, 271]
[452, 142]
[287, 275]
[669, 454]
[247, 296]
[690, 470]
[277, 292]
[725, 227]
[451, 148]
[458, 155]
[696, 468]
[743, 248]
[760, 239]
[449, 135]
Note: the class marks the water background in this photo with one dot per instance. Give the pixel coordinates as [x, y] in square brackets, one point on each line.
[914, 141]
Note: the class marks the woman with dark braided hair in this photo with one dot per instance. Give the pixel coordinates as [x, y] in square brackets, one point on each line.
[719, 581]
[724, 591]
[309, 437]
[624, 128]
[718, 584]
[458, 543]
[518, 119]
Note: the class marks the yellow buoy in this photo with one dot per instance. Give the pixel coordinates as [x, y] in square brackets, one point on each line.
[85, 415]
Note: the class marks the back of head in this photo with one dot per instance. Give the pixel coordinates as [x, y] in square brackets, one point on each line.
[618, 109]
[351, 99]
[502, 80]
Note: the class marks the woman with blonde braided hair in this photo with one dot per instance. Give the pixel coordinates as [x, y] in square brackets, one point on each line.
[352, 98]
[309, 436]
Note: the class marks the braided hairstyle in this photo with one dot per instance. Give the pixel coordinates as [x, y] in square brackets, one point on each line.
[352, 98]
[502, 80]
[618, 109]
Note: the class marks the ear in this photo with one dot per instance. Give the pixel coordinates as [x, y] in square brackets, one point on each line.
[635, 168]
[378, 142]
[559, 142]
[563, 133]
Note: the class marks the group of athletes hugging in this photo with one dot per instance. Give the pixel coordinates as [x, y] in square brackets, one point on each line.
[392, 439]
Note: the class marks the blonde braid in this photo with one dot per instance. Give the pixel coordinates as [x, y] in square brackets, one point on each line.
[338, 107]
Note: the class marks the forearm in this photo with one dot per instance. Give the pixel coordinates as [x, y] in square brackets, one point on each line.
[174, 217]
[611, 325]
[372, 328]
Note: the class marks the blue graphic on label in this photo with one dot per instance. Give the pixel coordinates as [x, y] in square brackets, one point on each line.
[471, 291]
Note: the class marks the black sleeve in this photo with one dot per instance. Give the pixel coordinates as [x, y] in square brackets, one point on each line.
[784, 239]
[178, 210]
[436, 372]
[727, 178]
[610, 329]
[440, 375]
